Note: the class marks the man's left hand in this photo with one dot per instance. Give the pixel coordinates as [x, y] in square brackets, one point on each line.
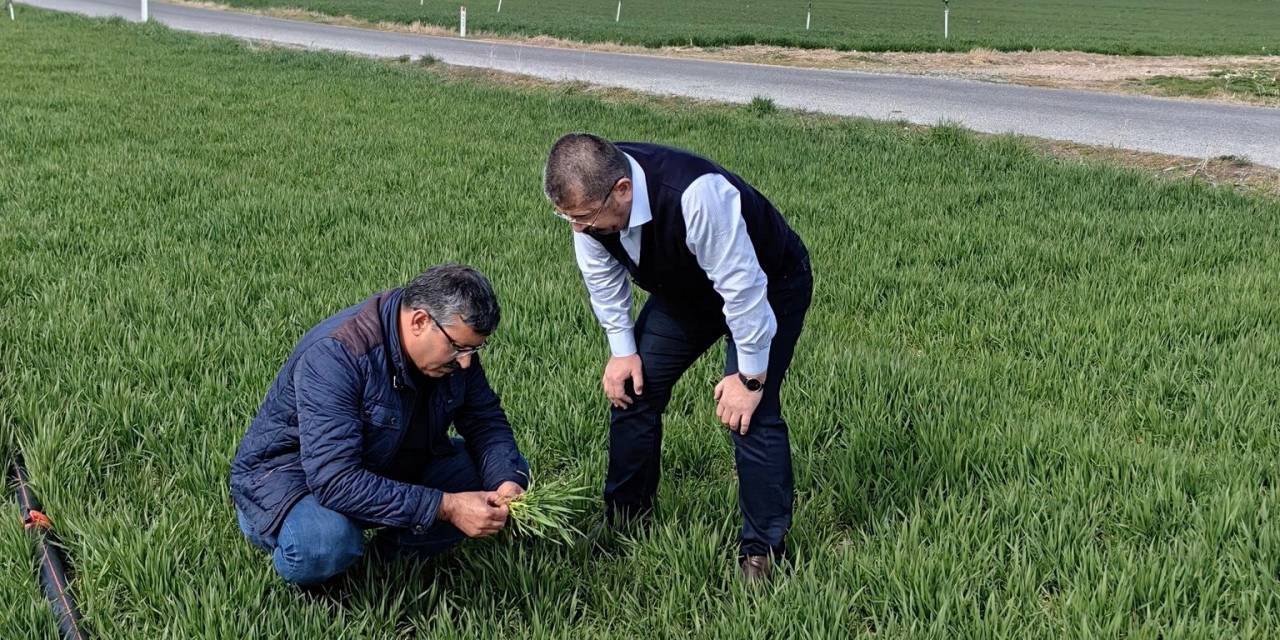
[735, 404]
[508, 491]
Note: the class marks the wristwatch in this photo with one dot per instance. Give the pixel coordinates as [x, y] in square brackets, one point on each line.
[751, 384]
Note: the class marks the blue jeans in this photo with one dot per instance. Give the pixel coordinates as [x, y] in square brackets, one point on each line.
[315, 543]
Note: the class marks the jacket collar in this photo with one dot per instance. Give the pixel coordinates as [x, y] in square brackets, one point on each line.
[389, 310]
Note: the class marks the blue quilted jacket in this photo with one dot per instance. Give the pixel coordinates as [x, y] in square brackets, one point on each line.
[337, 414]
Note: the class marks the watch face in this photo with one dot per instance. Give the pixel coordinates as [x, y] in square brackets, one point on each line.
[750, 383]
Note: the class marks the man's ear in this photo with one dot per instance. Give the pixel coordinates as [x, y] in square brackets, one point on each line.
[419, 321]
[624, 187]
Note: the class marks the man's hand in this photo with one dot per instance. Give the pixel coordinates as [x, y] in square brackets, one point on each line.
[616, 374]
[735, 404]
[475, 513]
[507, 492]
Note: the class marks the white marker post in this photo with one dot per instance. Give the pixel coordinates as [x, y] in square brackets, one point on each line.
[499, 6]
[946, 19]
[808, 15]
[146, 13]
[10, 3]
[462, 22]
[617, 17]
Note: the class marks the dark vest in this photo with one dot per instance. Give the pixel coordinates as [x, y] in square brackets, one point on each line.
[667, 268]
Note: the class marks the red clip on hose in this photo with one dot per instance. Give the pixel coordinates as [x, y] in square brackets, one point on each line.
[53, 563]
[36, 519]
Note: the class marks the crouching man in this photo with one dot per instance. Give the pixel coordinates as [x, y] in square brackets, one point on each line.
[353, 433]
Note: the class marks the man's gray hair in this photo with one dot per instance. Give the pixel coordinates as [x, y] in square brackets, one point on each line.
[585, 163]
[449, 291]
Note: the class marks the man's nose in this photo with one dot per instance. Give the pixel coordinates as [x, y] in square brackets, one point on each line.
[464, 360]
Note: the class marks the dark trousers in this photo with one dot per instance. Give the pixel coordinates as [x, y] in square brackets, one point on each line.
[669, 338]
[315, 543]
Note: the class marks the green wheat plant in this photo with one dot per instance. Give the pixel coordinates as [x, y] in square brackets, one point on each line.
[546, 511]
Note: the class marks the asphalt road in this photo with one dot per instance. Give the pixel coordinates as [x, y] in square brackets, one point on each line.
[1184, 128]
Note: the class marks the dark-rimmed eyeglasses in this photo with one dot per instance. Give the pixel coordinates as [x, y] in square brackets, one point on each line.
[458, 349]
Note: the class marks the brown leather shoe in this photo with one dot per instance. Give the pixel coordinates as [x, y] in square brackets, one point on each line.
[756, 569]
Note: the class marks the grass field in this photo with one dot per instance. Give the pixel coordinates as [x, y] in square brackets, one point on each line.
[1163, 27]
[1034, 400]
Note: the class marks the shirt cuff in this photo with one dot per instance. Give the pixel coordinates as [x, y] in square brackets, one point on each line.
[753, 363]
[622, 343]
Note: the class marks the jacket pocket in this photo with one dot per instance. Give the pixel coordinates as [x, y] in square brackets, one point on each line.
[379, 416]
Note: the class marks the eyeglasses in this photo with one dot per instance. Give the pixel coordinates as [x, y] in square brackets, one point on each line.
[458, 350]
[593, 215]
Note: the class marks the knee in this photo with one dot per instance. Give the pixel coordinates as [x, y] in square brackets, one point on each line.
[313, 556]
[652, 401]
[639, 422]
[769, 420]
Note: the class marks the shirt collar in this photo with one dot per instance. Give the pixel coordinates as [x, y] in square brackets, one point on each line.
[640, 212]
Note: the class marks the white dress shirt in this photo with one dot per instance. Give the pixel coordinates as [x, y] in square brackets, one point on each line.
[716, 234]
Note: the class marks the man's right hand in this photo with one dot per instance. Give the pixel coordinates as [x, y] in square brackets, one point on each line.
[616, 373]
[475, 513]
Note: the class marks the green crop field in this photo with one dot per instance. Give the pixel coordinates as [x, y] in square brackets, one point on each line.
[1034, 399]
[1163, 27]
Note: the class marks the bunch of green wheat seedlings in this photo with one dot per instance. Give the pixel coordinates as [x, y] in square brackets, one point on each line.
[546, 510]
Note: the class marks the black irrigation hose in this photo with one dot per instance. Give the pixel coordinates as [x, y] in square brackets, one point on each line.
[53, 563]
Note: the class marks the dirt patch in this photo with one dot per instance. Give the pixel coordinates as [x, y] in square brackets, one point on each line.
[1222, 171]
